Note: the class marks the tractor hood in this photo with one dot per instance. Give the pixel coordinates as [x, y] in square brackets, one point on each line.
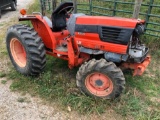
[99, 32]
[108, 21]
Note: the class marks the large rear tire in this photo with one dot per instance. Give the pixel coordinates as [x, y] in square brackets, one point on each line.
[102, 79]
[26, 50]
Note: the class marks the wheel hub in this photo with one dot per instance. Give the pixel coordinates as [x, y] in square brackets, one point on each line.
[99, 84]
[18, 52]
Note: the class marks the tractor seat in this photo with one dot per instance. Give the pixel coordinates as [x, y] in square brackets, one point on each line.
[59, 16]
[48, 21]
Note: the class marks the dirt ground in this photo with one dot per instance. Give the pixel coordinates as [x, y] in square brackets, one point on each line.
[16, 106]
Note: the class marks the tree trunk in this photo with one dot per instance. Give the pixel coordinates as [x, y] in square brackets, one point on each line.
[137, 7]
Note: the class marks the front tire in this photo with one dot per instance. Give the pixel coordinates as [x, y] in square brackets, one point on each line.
[102, 79]
[26, 50]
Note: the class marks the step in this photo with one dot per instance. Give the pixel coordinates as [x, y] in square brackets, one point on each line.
[62, 49]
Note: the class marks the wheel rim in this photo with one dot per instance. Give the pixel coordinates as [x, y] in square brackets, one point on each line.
[99, 84]
[18, 52]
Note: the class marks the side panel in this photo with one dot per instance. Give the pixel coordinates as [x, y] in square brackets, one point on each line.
[107, 21]
[110, 34]
[92, 40]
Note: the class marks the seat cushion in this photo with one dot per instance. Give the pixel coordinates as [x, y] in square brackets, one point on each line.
[58, 22]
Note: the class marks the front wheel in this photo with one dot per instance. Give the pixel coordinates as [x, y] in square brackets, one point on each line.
[99, 78]
[26, 50]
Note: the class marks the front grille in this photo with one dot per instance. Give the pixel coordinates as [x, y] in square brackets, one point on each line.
[115, 35]
[110, 33]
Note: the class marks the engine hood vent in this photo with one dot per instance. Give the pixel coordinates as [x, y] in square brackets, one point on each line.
[115, 34]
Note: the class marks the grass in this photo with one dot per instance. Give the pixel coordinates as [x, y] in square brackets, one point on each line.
[1, 25]
[56, 84]
[4, 81]
[2, 75]
[21, 100]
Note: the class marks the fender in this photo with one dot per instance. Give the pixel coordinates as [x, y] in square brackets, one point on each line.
[43, 29]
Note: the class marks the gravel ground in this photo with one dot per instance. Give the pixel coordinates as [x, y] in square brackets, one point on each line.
[14, 106]
[8, 14]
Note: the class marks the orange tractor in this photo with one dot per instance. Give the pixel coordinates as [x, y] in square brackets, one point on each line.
[100, 44]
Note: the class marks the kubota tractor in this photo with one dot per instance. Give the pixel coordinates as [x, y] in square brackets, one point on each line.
[99, 44]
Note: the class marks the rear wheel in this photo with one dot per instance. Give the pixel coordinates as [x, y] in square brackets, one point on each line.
[0, 14]
[99, 78]
[13, 6]
[26, 50]
[18, 52]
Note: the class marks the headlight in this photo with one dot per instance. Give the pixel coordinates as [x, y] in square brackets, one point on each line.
[139, 30]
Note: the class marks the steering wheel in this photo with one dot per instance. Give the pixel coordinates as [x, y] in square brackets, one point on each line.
[67, 10]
